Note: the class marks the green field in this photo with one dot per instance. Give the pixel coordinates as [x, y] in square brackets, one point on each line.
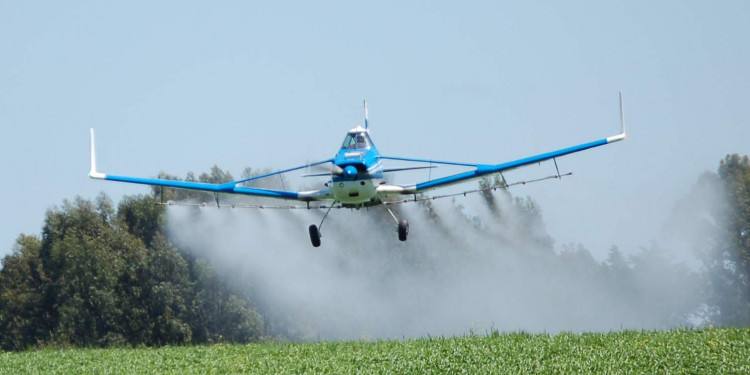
[707, 351]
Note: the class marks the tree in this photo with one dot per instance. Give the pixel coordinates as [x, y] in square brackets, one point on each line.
[100, 277]
[714, 220]
[85, 256]
[663, 290]
[22, 280]
[216, 176]
[141, 217]
[731, 261]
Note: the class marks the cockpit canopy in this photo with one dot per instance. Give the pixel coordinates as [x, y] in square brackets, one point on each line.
[356, 140]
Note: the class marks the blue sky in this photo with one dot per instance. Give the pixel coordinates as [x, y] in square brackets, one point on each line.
[181, 86]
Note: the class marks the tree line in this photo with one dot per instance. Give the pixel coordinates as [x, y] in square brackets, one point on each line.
[100, 275]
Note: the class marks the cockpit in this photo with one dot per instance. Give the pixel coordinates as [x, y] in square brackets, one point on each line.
[356, 140]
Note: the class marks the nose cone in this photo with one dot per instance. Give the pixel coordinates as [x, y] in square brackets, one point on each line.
[350, 171]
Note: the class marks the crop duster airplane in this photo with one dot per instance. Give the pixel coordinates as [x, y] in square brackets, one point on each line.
[357, 176]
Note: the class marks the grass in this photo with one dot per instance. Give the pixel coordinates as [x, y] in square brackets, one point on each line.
[706, 351]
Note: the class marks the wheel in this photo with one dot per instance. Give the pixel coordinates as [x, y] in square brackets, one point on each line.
[403, 230]
[314, 235]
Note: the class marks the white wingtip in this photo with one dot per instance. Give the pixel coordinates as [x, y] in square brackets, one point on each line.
[622, 117]
[622, 135]
[93, 173]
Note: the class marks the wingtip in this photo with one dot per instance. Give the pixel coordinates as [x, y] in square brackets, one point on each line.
[622, 116]
[623, 135]
[616, 138]
[93, 173]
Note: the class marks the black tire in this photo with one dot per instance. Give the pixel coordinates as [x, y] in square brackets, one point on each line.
[403, 230]
[314, 235]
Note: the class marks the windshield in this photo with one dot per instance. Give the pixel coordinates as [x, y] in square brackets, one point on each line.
[357, 140]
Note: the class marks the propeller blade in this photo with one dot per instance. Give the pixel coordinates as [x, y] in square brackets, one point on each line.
[332, 169]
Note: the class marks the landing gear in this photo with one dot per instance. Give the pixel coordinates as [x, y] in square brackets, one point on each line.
[403, 229]
[314, 235]
[403, 226]
[315, 230]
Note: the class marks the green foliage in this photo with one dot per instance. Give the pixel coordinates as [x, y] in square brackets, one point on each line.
[220, 316]
[216, 176]
[100, 277]
[729, 260]
[664, 290]
[22, 312]
[709, 351]
[141, 217]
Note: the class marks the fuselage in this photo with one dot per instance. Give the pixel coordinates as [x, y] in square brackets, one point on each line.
[361, 170]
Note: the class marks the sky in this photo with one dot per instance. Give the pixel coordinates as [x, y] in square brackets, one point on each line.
[181, 86]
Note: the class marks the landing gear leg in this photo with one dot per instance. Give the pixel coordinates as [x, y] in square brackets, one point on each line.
[403, 226]
[315, 230]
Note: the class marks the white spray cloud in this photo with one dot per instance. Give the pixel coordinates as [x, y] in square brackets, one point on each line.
[464, 269]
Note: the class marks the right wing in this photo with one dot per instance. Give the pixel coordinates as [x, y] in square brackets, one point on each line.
[481, 170]
[487, 169]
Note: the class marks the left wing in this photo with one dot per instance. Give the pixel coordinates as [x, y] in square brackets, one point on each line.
[487, 169]
[233, 187]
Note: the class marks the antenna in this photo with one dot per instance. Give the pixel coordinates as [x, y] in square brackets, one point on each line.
[366, 124]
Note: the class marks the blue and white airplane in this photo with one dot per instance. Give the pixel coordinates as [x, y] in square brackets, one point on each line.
[357, 176]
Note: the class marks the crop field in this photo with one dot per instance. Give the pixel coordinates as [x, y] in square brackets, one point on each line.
[706, 351]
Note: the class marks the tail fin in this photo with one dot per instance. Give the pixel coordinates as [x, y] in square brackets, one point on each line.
[366, 123]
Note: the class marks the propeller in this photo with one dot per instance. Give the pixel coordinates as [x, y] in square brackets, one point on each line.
[349, 171]
[325, 170]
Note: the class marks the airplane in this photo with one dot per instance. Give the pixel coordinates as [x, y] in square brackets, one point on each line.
[357, 176]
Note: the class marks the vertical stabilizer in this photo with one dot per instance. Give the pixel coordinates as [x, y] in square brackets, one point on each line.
[367, 126]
